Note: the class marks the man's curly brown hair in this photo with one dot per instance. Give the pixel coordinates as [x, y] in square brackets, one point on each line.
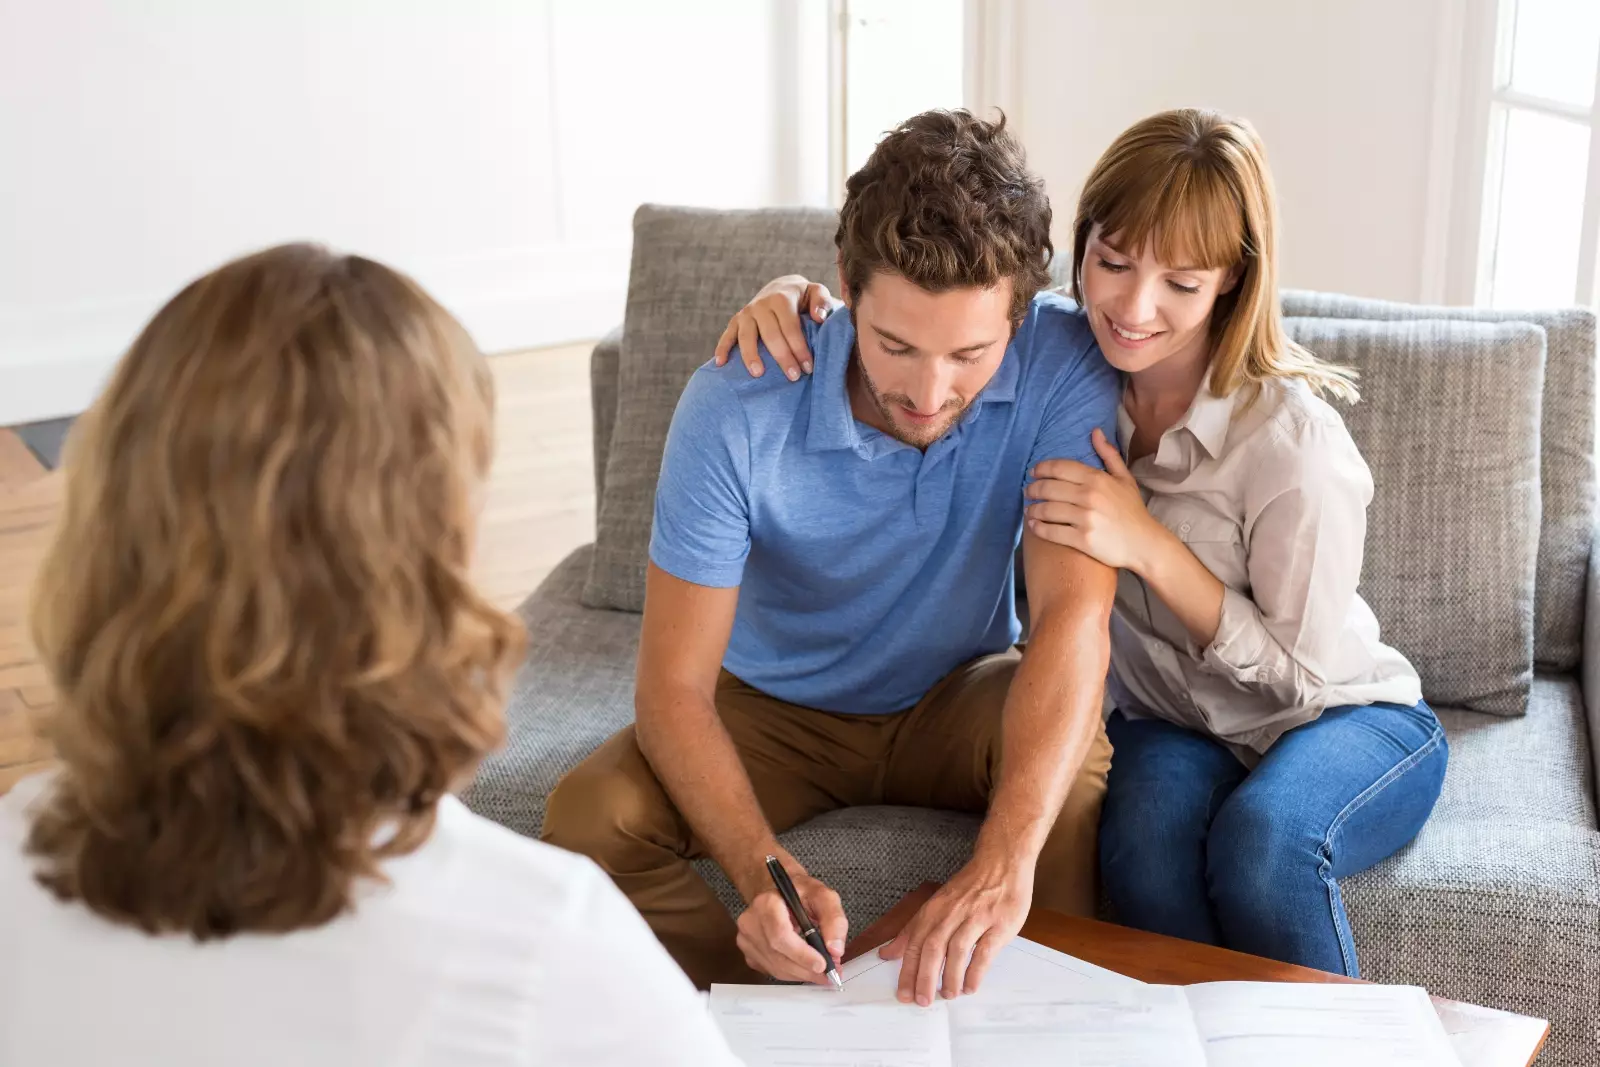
[270, 659]
[946, 201]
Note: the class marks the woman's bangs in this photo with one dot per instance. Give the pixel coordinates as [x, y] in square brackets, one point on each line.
[1187, 213]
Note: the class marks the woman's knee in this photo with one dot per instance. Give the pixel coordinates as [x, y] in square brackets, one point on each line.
[1151, 852]
[1257, 850]
[1145, 817]
[1153, 872]
[1132, 833]
[1137, 873]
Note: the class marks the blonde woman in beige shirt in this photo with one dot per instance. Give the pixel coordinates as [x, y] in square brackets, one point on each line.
[1267, 743]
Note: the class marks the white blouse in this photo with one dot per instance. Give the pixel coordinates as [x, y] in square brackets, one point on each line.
[1272, 498]
[485, 949]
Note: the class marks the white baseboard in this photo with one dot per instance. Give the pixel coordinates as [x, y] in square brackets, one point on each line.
[54, 362]
[35, 391]
[527, 297]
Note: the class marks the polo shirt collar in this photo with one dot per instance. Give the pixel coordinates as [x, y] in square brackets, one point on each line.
[1002, 388]
[832, 425]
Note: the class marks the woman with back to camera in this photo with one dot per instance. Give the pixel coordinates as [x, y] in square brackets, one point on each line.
[271, 668]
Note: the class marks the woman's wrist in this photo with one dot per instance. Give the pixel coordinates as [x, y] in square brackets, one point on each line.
[1187, 587]
[1153, 554]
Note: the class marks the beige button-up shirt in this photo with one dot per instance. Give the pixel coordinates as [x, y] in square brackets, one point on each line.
[1272, 498]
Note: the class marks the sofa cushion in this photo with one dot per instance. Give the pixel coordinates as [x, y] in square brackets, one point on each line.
[574, 690]
[1497, 901]
[603, 401]
[1533, 771]
[692, 269]
[1591, 647]
[1567, 451]
[1449, 424]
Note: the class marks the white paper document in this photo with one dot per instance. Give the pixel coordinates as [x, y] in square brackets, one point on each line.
[1262, 1024]
[815, 1027]
[1487, 1037]
[1021, 964]
[1039, 1006]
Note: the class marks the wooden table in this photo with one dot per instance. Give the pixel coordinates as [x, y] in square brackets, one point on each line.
[1483, 1037]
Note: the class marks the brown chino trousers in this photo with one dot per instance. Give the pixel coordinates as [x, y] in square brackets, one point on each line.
[943, 753]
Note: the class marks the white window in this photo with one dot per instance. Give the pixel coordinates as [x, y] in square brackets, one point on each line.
[1540, 233]
[897, 58]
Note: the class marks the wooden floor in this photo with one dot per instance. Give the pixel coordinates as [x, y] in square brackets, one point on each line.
[540, 507]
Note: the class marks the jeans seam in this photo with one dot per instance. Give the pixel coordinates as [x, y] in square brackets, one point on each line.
[1347, 948]
[1211, 802]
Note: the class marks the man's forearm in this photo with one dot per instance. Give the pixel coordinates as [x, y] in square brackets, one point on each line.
[1047, 727]
[696, 762]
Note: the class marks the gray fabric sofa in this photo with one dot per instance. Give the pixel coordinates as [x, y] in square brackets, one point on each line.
[1498, 900]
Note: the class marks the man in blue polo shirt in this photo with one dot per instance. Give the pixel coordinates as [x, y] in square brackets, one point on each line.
[829, 616]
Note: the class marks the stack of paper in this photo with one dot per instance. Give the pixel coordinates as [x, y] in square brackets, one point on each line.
[1039, 1006]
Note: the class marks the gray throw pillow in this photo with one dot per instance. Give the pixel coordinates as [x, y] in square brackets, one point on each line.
[692, 269]
[1449, 423]
[1567, 456]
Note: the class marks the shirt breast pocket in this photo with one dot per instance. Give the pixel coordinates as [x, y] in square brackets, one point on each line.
[1216, 541]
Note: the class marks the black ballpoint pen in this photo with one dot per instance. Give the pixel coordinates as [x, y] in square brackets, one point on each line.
[802, 919]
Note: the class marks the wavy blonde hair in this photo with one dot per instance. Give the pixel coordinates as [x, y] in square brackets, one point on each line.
[1197, 184]
[269, 658]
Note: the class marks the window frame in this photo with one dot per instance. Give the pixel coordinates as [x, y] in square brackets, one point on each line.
[1497, 101]
[987, 28]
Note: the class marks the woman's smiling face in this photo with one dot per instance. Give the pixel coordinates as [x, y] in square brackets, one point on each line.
[1144, 311]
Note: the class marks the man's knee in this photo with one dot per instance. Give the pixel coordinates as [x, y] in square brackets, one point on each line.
[611, 806]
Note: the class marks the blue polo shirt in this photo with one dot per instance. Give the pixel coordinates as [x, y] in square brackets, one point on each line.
[867, 568]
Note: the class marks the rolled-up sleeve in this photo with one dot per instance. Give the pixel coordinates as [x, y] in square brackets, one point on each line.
[1305, 527]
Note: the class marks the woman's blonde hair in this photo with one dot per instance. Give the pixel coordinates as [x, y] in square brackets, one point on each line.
[269, 659]
[1197, 184]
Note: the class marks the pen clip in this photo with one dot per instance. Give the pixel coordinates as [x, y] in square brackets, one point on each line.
[791, 897]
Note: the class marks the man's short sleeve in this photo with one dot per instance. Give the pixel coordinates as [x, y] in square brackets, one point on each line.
[1085, 393]
[702, 516]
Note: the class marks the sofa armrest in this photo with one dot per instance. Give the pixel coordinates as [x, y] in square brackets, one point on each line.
[603, 364]
[1591, 653]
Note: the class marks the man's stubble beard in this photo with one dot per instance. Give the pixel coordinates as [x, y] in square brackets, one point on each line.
[886, 403]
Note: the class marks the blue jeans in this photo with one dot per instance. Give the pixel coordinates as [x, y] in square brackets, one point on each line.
[1195, 845]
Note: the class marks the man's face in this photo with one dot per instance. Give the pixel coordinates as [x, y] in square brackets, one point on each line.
[924, 356]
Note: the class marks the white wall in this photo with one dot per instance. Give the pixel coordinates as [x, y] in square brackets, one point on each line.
[1344, 94]
[495, 149]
